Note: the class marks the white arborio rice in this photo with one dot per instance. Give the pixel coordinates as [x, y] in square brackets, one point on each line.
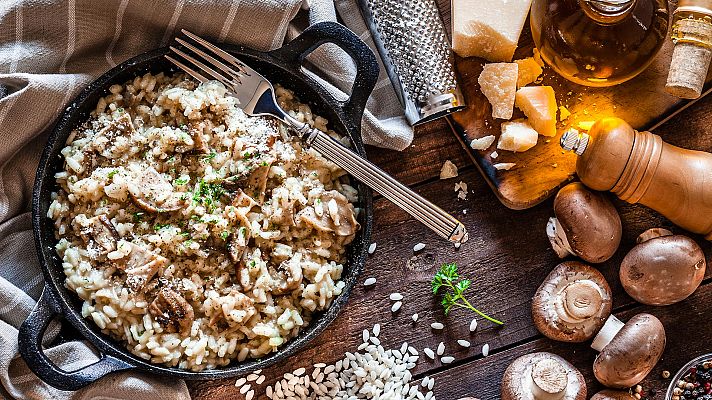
[193, 233]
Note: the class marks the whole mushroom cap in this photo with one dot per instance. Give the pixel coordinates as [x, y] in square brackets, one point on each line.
[542, 375]
[663, 268]
[632, 353]
[572, 303]
[613, 395]
[591, 225]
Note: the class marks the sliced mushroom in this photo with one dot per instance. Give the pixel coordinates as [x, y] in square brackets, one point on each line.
[237, 243]
[100, 235]
[253, 184]
[586, 224]
[663, 268]
[172, 311]
[121, 126]
[612, 395]
[628, 352]
[196, 133]
[153, 193]
[542, 376]
[572, 303]
[288, 276]
[339, 216]
[140, 266]
[236, 307]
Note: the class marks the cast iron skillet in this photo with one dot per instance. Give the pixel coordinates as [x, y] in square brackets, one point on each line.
[282, 66]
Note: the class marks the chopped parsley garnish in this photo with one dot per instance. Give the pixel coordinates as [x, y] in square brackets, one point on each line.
[120, 109]
[158, 227]
[264, 163]
[208, 194]
[112, 173]
[252, 263]
[208, 157]
[138, 216]
[247, 155]
[224, 235]
[180, 181]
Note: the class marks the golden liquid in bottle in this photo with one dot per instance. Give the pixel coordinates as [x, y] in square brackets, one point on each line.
[596, 45]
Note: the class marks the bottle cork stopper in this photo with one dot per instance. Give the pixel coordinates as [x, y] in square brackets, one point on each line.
[690, 59]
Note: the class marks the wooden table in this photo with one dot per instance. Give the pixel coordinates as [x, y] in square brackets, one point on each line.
[508, 256]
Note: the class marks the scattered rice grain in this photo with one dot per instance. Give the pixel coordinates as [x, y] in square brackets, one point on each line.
[418, 247]
[463, 343]
[396, 296]
[437, 326]
[473, 325]
[447, 359]
[369, 281]
[396, 306]
[372, 248]
[485, 350]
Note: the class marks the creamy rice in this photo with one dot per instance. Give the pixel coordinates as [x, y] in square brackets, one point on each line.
[193, 233]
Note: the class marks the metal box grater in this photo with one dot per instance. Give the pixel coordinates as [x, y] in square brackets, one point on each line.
[411, 40]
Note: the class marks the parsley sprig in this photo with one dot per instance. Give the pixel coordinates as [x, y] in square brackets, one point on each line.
[448, 279]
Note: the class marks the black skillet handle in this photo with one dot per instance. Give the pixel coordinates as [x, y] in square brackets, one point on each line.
[366, 64]
[30, 342]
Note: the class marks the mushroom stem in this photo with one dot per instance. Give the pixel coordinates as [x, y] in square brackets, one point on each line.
[579, 301]
[549, 380]
[558, 239]
[652, 233]
[607, 333]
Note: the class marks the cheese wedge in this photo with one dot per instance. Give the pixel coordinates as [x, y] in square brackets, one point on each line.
[498, 82]
[488, 28]
[539, 105]
[517, 136]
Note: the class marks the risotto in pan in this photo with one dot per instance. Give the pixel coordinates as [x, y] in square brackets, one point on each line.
[193, 233]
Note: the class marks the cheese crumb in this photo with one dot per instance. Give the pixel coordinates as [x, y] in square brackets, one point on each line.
[449, 170]
[529, 71]
[539, 105]
[482, 143]
[564, 113]
[461, 189]
[498, 83]
[494, 154]
[504, 166]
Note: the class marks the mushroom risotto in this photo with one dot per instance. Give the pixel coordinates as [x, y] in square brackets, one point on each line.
[196, 234]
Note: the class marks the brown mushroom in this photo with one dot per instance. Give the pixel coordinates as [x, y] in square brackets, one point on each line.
[572, 303]
[172, 311]
[100, 235]
[338, 215]
[153, 193]
[586, 224]
[288, 276]
[663, 268]
[542, 376]
[613, 395]
[628, 352]
[237, 243]
[140, 266]
[120, 126]
[253, 183]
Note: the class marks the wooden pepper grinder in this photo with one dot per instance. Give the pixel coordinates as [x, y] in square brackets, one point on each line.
[640, 168]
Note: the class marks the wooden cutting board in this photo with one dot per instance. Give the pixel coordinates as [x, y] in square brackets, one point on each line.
[543, 169]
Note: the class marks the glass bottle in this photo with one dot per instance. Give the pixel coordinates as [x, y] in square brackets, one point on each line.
[599, 42]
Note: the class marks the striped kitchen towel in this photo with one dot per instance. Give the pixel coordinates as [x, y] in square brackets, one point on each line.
[49, 50]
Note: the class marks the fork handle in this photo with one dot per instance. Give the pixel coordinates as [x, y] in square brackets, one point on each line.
[444, 224]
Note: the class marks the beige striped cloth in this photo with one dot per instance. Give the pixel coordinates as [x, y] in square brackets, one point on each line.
[49, 50]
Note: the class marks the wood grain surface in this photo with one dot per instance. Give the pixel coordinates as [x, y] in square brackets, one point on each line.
[507, 257]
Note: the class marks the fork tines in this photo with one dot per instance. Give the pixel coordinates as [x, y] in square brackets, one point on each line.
[206, 56]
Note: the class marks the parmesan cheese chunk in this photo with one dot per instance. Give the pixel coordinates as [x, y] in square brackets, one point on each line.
[482, 143]
[539, 105]
[498, 83]
[488, 28]
[529, 71]
[517, 136]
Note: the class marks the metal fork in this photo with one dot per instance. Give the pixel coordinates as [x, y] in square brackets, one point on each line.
[256, 97]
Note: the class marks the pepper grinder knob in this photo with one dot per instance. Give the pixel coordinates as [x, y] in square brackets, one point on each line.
[639, 167]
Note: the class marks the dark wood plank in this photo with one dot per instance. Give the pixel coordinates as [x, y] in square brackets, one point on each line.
[687, 338]
[433, 143]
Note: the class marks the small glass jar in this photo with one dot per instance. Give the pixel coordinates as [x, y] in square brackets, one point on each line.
[599, 42]
[683, 371]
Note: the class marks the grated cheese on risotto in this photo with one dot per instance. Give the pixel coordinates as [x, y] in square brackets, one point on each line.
[193, 233]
